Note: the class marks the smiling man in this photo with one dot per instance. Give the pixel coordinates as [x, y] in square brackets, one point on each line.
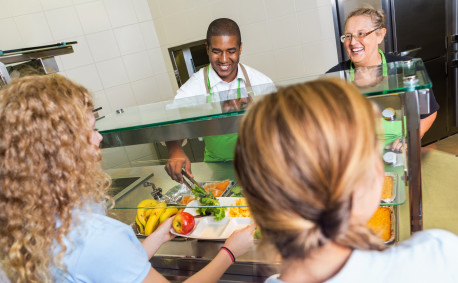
[224, 47]
[222, 80]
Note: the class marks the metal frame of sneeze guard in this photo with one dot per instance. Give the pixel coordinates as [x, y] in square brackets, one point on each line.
[410, 80]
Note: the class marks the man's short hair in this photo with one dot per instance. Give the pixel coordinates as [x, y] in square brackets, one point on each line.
[223, 26]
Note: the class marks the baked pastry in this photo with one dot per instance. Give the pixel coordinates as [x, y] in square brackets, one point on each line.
[380, 223]
[387, 191]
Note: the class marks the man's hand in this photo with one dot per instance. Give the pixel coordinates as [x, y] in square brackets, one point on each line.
[177, 161]
[396, 146]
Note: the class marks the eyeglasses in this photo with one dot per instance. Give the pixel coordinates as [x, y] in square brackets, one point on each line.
[359, 36]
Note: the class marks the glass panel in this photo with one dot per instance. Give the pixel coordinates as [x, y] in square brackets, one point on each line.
[370, 81]
[400, 77]
[394, 131]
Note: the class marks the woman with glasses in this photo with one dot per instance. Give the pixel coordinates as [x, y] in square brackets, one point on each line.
[364, 31]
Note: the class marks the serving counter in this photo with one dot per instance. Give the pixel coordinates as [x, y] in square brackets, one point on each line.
[402, 90]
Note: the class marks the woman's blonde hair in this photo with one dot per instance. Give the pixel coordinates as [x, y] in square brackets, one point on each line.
[299, 154]
[378, 17]
[48, 167]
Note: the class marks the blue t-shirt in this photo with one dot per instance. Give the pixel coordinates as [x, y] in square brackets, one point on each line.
[102, 249]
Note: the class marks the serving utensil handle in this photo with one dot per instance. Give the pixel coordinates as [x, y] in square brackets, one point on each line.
[189, 177]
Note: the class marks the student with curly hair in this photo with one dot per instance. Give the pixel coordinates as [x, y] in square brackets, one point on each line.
[53, 225]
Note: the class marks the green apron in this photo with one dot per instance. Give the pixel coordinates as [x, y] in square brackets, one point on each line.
[221, 148]
[391, 129]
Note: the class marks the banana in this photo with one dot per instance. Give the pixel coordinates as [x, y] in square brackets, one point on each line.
[139, 224]
[141, 212]
[151, 224]
[168, 213]
[148, 213]
[153, 220]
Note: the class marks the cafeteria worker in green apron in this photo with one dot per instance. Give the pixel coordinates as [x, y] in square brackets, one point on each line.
[364, 32]
[224, 75]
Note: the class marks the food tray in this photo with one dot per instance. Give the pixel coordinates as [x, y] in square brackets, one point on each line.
[175, 194]
[393, 227]
[394, 189]
[392, 237]
[136, 231]
[233, 190]
[206, 227]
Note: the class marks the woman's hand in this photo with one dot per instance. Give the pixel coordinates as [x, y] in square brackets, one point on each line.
[161, 235]
[241, 240]
[163, 231]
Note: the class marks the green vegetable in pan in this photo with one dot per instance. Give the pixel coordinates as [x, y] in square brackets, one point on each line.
[208, 201]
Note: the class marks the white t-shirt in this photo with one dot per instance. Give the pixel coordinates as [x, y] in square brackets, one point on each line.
[428, 256]
[195, 86]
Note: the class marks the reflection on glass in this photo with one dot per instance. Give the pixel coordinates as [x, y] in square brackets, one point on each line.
[237, 104]
[368, 77]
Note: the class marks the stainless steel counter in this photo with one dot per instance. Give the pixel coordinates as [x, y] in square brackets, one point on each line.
[181, 257]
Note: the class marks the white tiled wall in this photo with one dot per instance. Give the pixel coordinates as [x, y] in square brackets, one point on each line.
[282, 38]
[122, 51]
[117, 55]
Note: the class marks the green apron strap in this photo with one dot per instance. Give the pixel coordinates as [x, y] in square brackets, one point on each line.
[384, 67]
[208, 86]
[207, 83]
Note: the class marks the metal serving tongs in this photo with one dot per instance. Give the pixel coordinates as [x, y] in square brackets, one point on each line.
[185, 174]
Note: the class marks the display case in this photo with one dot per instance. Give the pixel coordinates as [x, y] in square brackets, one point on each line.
[401, 91]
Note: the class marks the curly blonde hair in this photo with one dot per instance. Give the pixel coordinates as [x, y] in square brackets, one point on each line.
[299, 154]
[48, 168]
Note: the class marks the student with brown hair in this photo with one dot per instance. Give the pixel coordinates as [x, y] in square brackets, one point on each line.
[309, 160]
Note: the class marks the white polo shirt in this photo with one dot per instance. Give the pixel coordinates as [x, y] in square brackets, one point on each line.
[195, 86]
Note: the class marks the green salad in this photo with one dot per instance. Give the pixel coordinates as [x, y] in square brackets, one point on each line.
[208, 201]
